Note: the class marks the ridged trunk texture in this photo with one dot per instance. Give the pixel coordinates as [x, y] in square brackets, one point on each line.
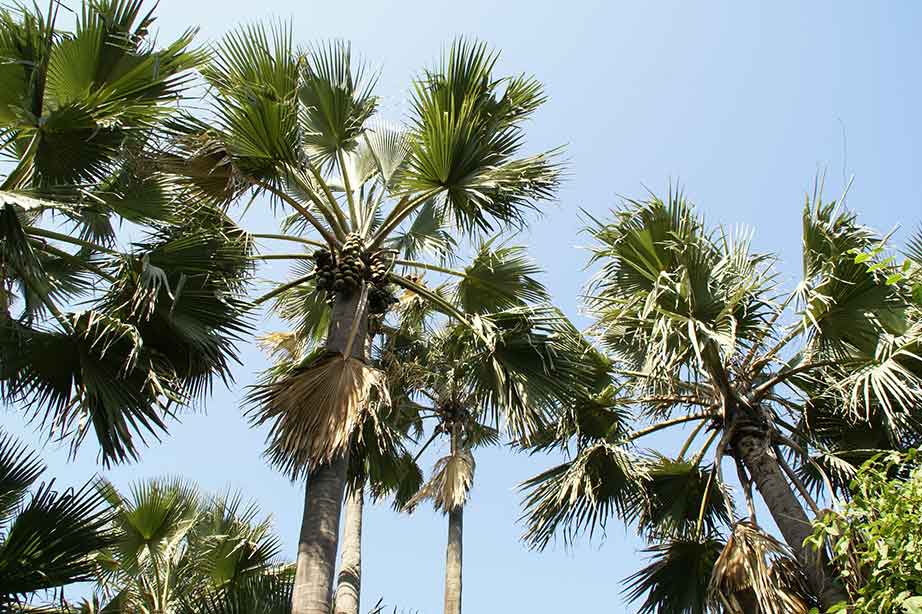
[349, 579]
[326, 484]
[787, 512]
[453, 562]
[454, 549]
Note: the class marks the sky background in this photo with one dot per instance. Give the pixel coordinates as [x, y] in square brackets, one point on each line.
[741, 104]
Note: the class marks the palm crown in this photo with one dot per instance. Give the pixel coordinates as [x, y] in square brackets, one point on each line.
[159, 318]
[176, 550]
[700, 334]
[376, 204]
[372, 198]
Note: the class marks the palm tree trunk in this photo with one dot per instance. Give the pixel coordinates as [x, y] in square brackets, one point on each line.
[453, 552]
[453, 562]
[787, 512]
[326, 484]
[349, 584]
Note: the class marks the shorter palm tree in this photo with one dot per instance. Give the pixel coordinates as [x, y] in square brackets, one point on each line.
[444, 369]
[48, 539]
[177, 551]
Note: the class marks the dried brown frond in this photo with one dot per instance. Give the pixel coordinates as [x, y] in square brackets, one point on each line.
[314, 410]
[280, 346]
[756, 574]
[450, 484]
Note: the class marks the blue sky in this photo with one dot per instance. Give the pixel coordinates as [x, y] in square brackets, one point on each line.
[739, 103]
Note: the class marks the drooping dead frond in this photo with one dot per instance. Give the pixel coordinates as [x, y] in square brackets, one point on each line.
[450, 483]
[314, 410]
[756, 574]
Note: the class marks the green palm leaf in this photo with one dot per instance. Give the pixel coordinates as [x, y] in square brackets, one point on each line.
[49, 541]
[676, 579]
[19, 469]
[499, 279]
[465, 139]
[681, 497]
[336, 98]
[581, 495]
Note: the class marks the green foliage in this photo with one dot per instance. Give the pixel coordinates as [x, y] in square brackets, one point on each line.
[49, 538]
[698, 333]
[179, 551]
[80, 115]
[875, 537]
[675, 581]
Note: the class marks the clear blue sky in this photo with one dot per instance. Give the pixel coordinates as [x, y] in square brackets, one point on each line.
[740, 103]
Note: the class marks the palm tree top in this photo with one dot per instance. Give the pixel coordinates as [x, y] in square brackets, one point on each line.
[97, 338]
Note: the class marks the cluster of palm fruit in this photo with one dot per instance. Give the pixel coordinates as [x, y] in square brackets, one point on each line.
[380, 299]
[344, 272]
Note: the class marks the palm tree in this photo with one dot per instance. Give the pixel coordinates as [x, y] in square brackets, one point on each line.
[177, 551]
[302, 128]
[439, 369]
[431, 363]
[378, 458]
[700, 334]
[157, 318]
[47, 539]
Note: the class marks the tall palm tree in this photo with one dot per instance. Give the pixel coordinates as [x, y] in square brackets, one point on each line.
[701, 335]
[157, 318]
[47, 539]
[379, 461]
[302, 128]
[179, 552]
[535, 359]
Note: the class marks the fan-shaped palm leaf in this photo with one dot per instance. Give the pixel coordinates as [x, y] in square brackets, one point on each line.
[756, 573]
[465, 139]
[315, 409]
[49, 540]
[450, 484]
[676, 579]
[683, 499]
[499, 278]
[336, 96]
[581, 495]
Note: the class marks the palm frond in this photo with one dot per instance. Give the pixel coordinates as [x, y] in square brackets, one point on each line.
[466, 137]
[582, 494]
[336, 96]
[450, 484]
[19, 469]
[757, 573]
[671, 295]
[678, 494]
[314, 409]
[499, 278]
[268, 593]
[676, 579]
[428, 234]
[255, 72]
[152, 521]
[537, 360]
[94, 376]
[52, 540]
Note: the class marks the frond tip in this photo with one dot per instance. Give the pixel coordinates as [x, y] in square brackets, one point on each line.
[314, 410]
